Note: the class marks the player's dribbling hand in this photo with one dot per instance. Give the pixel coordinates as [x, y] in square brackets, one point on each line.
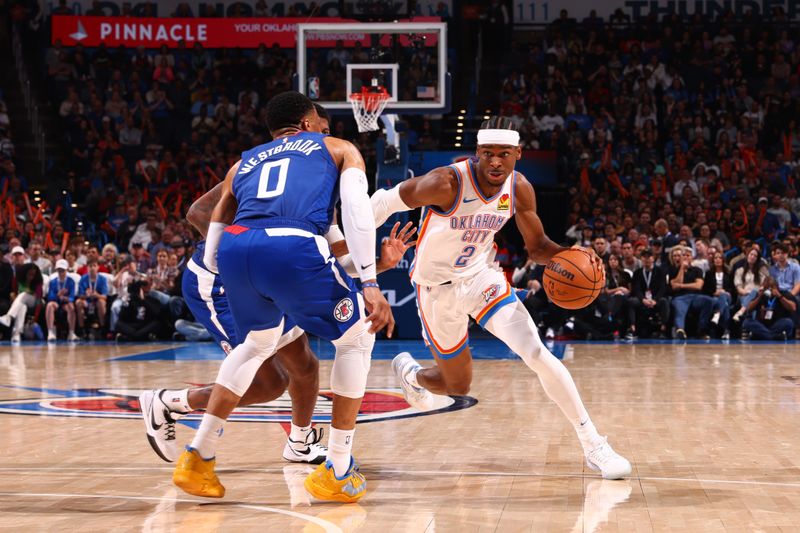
[380, 312]
[394, 247]
[595, 259]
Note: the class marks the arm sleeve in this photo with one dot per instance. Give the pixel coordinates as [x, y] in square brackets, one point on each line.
[215, 230]
[358, 221]
[346, 261]
[386, 202]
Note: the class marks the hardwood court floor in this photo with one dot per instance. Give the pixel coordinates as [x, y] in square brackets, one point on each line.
[712, 432]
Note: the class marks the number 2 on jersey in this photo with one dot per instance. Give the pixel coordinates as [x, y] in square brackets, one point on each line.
[266, 189]
[466, 253]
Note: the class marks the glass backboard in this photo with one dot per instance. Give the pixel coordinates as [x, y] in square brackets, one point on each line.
[409, 59]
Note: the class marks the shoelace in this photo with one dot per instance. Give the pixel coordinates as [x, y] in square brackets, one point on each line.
[169, 428]
[602, 452]
[315, 436]
[406, 372]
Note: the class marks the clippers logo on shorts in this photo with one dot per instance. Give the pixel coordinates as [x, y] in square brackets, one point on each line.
[491, 293]
[344, 310]
[226, 347]
[504, 203]
[378, 404]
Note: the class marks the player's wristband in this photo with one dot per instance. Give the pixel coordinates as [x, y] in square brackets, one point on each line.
[367, 284]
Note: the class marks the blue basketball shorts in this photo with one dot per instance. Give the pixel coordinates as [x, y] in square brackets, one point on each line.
[206, 298]
[286, 273]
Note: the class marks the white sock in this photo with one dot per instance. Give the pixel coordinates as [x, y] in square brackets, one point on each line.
[298, 435]
[176, 400]
[411, 377]
[207, 436]
[588, 435]
[340, 444]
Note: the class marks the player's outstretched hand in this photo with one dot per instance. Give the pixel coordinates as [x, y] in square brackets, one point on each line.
[394, 247]
[380, 312]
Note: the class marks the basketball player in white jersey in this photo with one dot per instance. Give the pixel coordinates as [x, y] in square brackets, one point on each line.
[464, 205]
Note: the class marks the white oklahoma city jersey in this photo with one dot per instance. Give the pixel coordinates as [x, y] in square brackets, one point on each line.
[456, 244]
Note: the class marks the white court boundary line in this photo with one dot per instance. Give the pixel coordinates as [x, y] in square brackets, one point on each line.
[324, 524]
[416, 472]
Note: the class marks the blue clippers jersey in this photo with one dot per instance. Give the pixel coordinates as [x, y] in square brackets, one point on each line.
[292, 178]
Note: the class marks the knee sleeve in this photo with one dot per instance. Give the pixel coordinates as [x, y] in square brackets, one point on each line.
[240, 367]
[351, 366]
[513, 325]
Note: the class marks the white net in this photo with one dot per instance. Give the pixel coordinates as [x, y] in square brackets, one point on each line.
[367, 107]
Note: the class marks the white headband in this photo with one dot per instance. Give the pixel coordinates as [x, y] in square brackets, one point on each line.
[501, 137]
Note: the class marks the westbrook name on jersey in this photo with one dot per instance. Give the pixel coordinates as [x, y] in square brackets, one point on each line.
[292, 181]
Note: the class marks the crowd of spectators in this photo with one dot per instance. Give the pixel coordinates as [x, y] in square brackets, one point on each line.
[146, 133]
[680, 141]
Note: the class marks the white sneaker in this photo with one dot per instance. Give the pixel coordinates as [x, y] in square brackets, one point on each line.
[51, 336]
[5, 320]
[417, 397]
[73, 338]
[15, 338]
[159, 422]
[609, 463]
[310, 451]
[549, 334]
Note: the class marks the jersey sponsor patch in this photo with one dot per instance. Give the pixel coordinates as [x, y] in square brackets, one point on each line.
[504, 203]
[491, 293]
[344, 310]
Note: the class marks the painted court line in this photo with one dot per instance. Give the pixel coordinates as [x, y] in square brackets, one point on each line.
[324, 524]
[414, 472]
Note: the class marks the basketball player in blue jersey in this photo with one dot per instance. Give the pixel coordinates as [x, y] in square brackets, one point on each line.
[206, 299]
[275, 265]
[204, 295]
[295, 366]
[464, 205]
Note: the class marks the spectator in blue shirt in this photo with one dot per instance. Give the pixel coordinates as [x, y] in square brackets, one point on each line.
[786, 274]
[92, 295]
[61, 297]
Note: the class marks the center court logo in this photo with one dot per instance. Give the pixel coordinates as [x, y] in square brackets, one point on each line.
[379, 404]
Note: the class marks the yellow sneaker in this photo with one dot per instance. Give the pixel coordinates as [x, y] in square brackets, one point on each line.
[195, 475]
[323, 484]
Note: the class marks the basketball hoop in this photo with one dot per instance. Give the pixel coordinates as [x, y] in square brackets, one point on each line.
[368, 106]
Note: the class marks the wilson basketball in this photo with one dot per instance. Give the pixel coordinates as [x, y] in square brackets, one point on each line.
[572, 280]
